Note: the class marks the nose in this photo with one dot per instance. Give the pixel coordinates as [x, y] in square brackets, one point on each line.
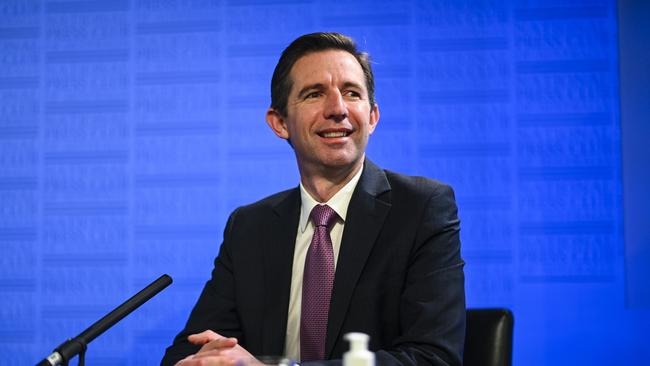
[335, 107]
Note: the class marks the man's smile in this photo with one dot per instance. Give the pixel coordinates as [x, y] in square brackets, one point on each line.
[335, 133]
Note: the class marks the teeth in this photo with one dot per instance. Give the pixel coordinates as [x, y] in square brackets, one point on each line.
[335, 134]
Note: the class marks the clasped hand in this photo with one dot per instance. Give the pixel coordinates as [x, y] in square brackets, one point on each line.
[217, 350]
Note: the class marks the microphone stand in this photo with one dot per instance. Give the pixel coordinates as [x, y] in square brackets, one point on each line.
[77, 345]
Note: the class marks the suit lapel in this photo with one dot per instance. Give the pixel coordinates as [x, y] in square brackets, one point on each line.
[278, 260]
[365, 216]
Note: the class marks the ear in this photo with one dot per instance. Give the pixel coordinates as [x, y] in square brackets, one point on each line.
[374, 118]
[277, 123]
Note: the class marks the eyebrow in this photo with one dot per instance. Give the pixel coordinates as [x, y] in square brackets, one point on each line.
[352, 84]
[307, 88]
[319, 86]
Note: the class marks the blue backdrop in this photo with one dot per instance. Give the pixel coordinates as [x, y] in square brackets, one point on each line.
[130, 129]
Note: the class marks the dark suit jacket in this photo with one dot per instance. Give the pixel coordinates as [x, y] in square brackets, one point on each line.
[399, 276]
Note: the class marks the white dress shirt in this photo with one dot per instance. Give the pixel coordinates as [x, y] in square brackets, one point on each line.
[339, 203]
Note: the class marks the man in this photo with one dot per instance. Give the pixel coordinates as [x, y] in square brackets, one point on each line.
[385, 260]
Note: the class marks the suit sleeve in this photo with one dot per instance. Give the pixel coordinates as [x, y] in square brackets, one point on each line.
[215, 309]
[432, 304]
[433, 301]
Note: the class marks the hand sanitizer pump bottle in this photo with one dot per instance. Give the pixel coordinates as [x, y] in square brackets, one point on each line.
[358, 355]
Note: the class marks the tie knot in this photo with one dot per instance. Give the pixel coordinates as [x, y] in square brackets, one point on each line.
[323, 215]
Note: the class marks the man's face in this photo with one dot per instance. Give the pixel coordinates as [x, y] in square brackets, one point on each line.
[329, 118]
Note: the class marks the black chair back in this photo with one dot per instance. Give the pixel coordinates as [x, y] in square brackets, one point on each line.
[488, 337]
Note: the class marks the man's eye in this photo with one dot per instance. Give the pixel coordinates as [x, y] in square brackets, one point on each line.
[312, 95]
[353, 94]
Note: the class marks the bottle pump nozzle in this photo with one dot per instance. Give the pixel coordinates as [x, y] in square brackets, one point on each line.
[358, 355]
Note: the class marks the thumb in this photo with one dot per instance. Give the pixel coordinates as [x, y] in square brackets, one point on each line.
[203, 337]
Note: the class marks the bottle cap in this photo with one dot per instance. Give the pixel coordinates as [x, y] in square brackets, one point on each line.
[358, 341]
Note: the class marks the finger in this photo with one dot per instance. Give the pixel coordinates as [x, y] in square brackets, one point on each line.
[238, 355]
[208, 358]
[210, 353]
[219, 344]
[217, 361]
[203, 337]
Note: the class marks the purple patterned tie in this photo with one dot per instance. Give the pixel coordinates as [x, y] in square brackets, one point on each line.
[317, 282]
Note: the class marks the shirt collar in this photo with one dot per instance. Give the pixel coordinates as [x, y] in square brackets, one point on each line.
[339, 202]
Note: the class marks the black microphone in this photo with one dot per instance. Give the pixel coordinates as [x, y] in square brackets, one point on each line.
[77, 345]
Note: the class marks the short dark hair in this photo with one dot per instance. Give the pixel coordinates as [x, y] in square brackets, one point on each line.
[281, 82]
